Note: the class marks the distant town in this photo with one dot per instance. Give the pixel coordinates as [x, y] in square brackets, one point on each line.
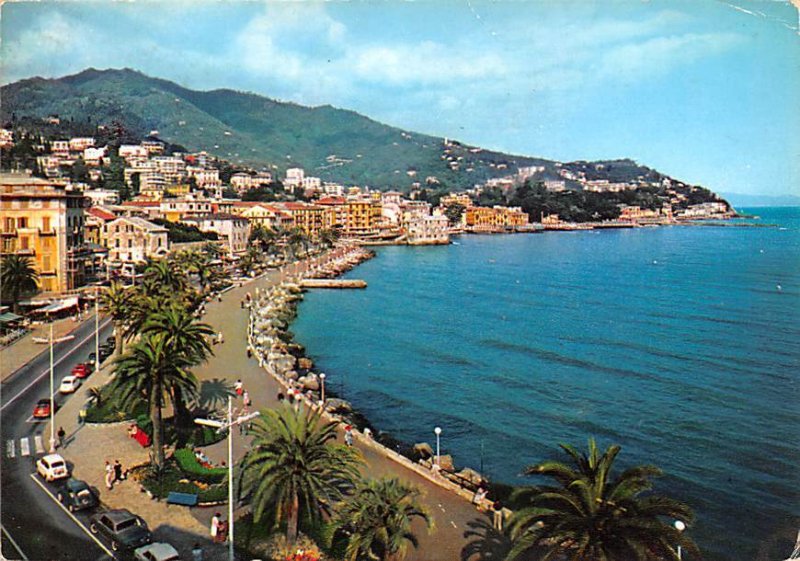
[86, 207]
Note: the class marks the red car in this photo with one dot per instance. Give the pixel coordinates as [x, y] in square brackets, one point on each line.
[82, 370]
[42, 409]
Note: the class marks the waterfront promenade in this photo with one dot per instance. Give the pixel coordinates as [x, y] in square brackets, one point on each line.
[451, 513]
[90, 446]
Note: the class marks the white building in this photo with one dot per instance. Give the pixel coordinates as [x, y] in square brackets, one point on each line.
[294, 178]
[132, 239]
[205, 178]
[555, 185]
[94, 156]
[80, 144]
[234, 231]
[102, 197]
[428, 230]
[133, 153]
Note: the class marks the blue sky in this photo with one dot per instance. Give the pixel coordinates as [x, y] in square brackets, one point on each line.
[704, 90]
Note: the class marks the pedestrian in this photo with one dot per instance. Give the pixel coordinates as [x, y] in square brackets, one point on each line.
[82, 415]
[117, 471]
[197, 552]
[348, 435]
[222, 532]
[249, 353]
[61, 434]
[281, 397]
[246, 399]
[109, 476]
[238, 388]
[215, 527]
[220, 338]
[367, 432]
[497, 516]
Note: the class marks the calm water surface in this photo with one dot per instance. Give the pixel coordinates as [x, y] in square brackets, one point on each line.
[681, 344]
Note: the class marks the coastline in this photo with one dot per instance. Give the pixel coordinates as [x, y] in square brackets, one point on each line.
[272, 343]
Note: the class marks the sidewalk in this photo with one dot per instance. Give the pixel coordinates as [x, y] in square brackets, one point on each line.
[24, 349]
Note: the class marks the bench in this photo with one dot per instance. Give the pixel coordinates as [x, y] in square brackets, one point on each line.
[184, 499]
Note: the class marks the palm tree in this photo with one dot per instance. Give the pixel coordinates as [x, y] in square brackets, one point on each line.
[18, 277]
[149, 372]
[96, 395]
[592, 516]
[378, 519]
[183, 336]
[291, 467]
[117, 302]
[329, 237]
[162, 277]
[249, 260]
[295, 239]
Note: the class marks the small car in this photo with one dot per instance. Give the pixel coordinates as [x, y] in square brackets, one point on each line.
[77, 495]
[158, 551]
[82, 370]
[92, 357]
[111, 340]
[69, 384]
[52, 467]
[42, 409]
[125, 530]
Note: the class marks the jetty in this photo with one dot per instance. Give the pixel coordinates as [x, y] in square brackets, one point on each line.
[333, 283]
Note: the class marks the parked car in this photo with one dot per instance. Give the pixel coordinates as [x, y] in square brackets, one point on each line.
[42, 409]
[125, 530]
[112, 340]
[69, 384]
[82, 370]
[52, 467]
[77, 495]
[158, 551]
[92, 357]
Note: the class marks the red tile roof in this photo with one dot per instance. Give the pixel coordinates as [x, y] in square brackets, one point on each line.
[100, 213]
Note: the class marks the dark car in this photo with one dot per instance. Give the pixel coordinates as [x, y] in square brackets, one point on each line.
[125, 530]
[111, 340]
[42, 409]
[77, 495]
[92, 357]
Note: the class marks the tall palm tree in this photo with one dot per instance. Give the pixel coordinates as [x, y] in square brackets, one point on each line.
[161, 276]
[249, 260]
[148, 372]
[18, 277]
[329, 237]
[292, 467]
[117, 301]
[592, 516]
[378, 519]
[184, 336]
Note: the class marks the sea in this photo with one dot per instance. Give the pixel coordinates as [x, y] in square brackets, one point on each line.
[681, 344]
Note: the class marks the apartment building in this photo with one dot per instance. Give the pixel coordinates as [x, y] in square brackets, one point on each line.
[131, 239]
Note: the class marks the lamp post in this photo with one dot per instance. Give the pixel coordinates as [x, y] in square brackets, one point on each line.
[438, 432]
[52, 388]
[220, 426]
[97, 330]
[680, 526]
[322, 386]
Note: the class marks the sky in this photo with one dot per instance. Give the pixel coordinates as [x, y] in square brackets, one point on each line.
[707, 91]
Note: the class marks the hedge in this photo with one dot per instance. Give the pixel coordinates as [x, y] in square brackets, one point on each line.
[192, 468]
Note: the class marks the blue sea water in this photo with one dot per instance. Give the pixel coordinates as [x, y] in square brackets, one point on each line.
[681, 344]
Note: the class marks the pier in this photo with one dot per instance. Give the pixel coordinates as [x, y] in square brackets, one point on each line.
[333, 283]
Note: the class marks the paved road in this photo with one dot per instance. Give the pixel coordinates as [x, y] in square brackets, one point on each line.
[32, 522]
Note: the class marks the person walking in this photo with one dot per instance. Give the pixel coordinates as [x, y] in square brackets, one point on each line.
[497, 516]
[238, 387]
[246, 399]
[82, 416]
[348, 435]
[61, 434]
[117, 471]
[215, 520]
[109, 476]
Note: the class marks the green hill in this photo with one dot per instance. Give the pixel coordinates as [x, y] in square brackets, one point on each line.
[334, 144]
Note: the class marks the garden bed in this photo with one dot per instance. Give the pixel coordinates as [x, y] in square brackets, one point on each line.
[172, 478]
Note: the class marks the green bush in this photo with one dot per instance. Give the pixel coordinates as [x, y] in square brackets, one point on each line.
[189, 465]
[213, 494]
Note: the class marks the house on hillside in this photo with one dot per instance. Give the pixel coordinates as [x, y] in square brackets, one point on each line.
[131, 239]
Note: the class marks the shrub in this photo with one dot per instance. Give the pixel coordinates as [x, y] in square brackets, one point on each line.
[189, 465]
[215, 493]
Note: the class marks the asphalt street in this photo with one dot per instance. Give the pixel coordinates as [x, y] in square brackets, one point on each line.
[34, 526]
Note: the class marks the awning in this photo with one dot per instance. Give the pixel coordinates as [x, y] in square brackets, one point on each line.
[59, 305]
[8, 317]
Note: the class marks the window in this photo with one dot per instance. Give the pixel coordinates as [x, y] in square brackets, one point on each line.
[23, 242]
[117, 242]
[46, 263]
[46, 223]
[22, 222]
[130, 243]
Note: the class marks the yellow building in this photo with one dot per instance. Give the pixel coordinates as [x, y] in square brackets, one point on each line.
[361, 218]
[312, 219]
[456, 199]
[496, 218]
[262, 214]
[45, 221]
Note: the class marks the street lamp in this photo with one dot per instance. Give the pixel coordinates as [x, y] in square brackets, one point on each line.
[220, 426]
[680, 526]
[438, 432]
[52, 388]
[97, 330]
[322, 385]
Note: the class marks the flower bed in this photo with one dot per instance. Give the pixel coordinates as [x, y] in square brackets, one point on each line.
[172, 478]
[188, 464]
